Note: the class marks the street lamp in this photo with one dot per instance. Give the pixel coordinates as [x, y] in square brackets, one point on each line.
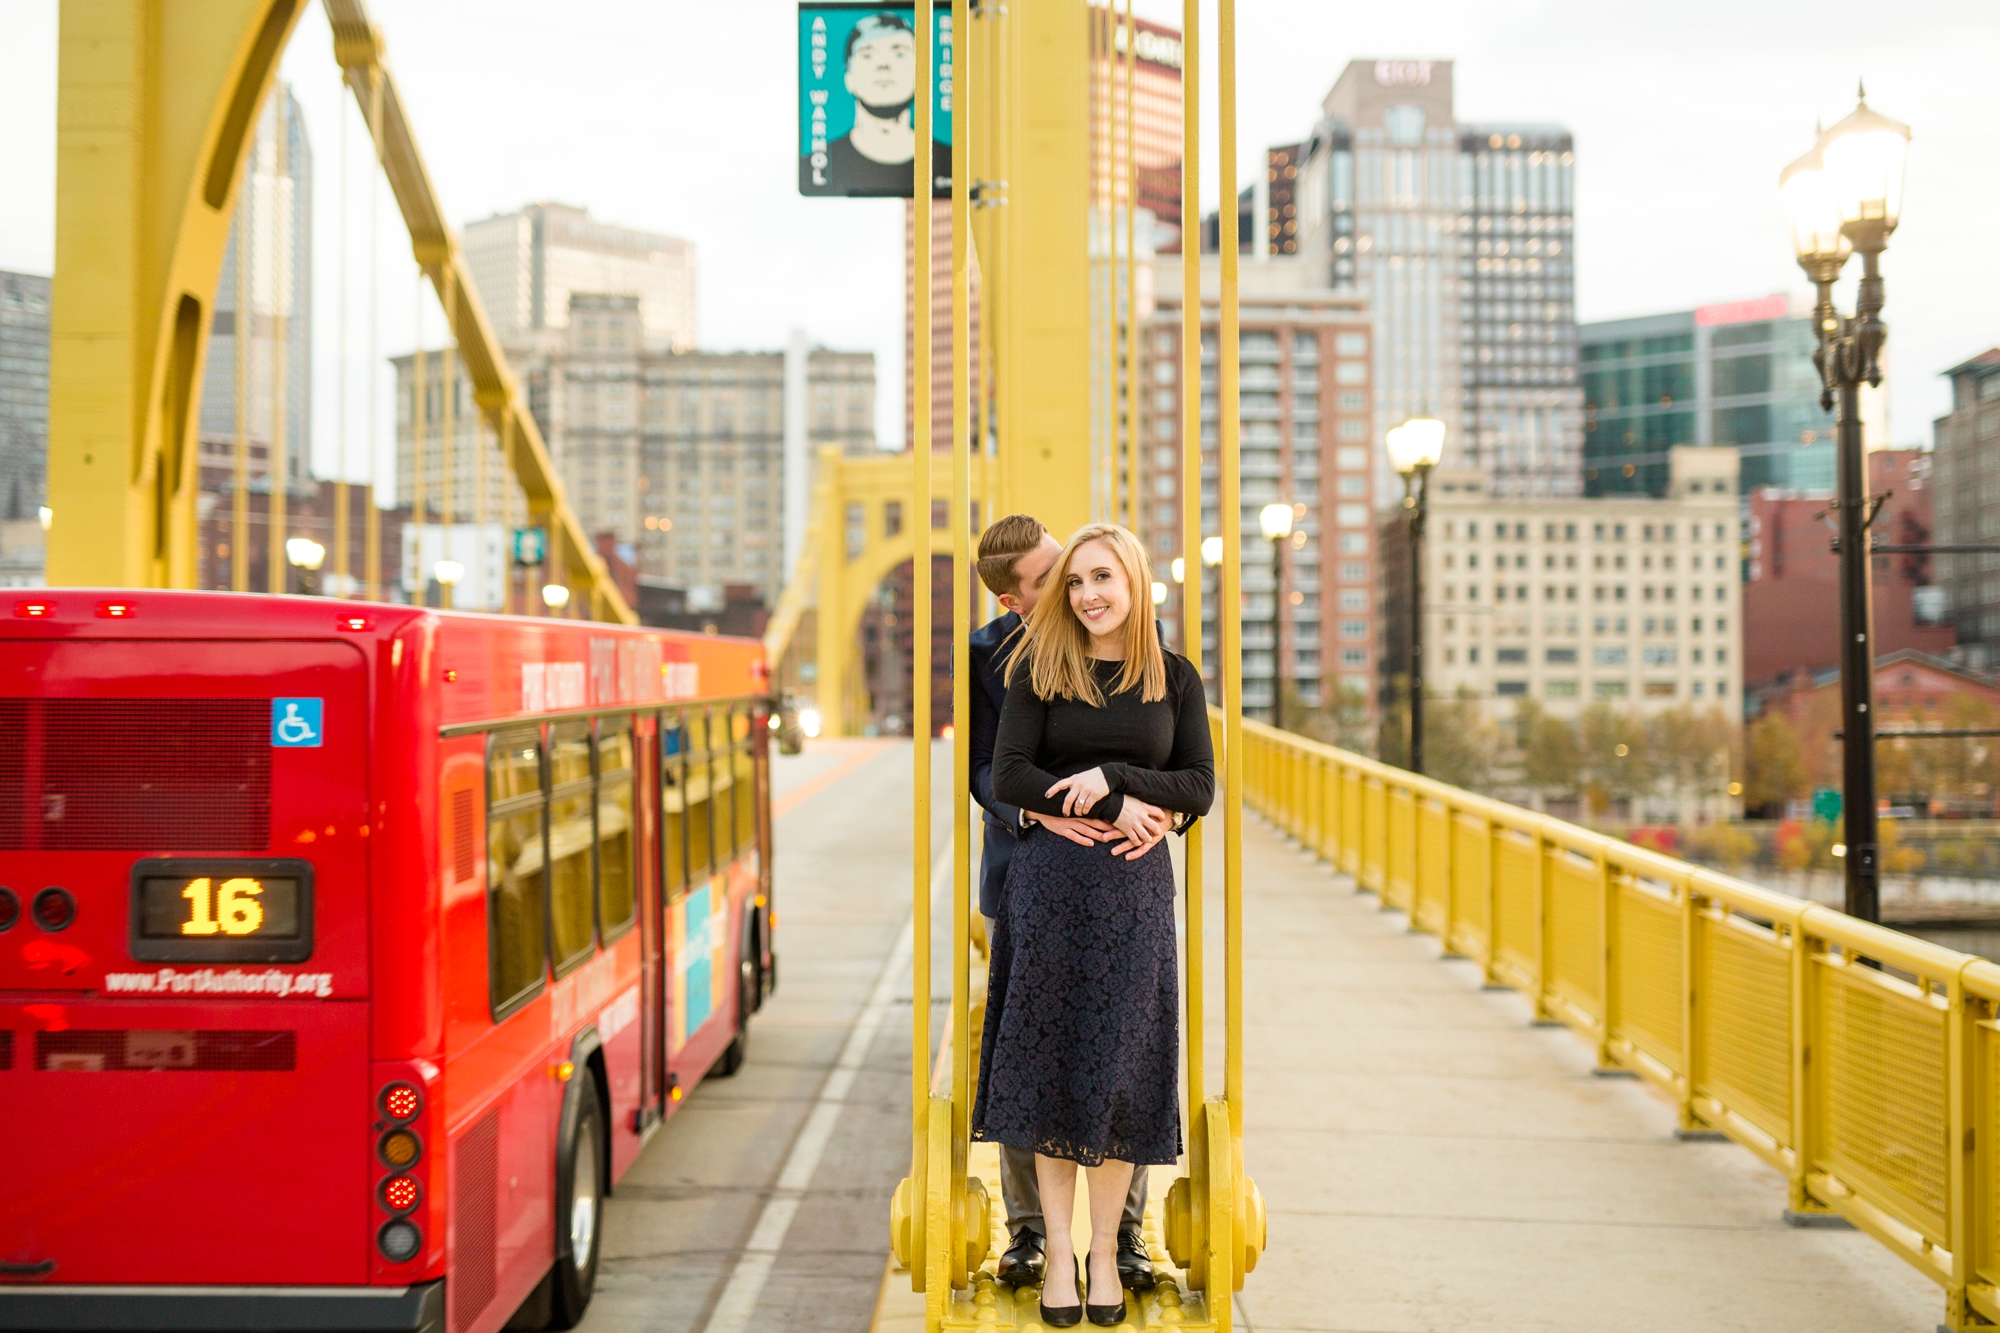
[1276, 522]
[306, 556]
[448, 573]
[555, 596]
[1414, 449]
[1843, 196]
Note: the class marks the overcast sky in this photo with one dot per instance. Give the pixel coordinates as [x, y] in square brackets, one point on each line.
[678, 117]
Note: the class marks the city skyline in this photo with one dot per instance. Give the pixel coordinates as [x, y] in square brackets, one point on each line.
[765, 267]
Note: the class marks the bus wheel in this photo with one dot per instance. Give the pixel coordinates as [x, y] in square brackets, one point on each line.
[739, 1045]
[579, 1210]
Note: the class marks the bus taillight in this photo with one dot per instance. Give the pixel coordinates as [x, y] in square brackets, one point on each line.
[401, 1102]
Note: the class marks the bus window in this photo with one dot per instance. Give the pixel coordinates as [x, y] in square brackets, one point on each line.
[615, 898]
[745, 789]
[673, 804]
[571, 917]
[514, 861]
[700, 835]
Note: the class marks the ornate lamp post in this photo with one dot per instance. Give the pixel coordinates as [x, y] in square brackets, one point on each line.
[1276, 522]
[1846, 195]
[306, 556]
[1414, 449]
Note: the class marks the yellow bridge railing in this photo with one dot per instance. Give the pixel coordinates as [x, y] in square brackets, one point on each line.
[1861, 1063]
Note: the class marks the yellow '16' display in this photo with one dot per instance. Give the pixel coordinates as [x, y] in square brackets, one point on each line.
[232, 909]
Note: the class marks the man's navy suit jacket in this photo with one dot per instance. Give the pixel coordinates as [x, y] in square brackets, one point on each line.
[992, 644]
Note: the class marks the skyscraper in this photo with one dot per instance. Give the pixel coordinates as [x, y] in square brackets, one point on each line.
[1738, 372]
[264, 293]
[24, 426]
[1967, 502]
[1460, 238]
[527, 263]
[24, 394]
[1156, 115]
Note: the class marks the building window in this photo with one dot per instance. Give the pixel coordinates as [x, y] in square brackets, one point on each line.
[1610, 689]
[1609, 654]
[1560, 656]
[1353, 629]
[1560, 689]
[1511, 689]
[1661, 689]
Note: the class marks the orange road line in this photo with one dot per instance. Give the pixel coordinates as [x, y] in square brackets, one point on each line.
[805, 791]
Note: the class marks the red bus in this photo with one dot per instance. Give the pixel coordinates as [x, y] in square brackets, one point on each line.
[350, 953]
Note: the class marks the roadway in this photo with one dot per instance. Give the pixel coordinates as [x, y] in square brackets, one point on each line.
[764, 1202]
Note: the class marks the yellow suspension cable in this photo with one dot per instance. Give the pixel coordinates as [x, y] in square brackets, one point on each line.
[340, 388]
[420, 411]
[920, 611]
[1229, 617]
[245, 330]
[961, 588]
[277, 455]
[1131, 275]
[372, 541]
[448, 387]
[1191, 563]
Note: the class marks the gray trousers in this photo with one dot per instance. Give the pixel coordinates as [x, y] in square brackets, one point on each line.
[1022, 1191]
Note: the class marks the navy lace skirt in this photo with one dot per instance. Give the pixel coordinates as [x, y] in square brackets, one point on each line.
[1082, 1040]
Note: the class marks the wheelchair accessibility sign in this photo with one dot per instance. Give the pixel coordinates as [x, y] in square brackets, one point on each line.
[295, 723]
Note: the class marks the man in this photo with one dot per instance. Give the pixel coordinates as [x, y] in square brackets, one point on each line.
[1016, 555]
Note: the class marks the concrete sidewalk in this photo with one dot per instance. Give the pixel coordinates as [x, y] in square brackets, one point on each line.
[1431, 1160]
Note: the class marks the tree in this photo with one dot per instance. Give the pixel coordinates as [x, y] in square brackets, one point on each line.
[1689, 751]
[1612, 763]
[1773, 769]
[1460, 744]
[1549, 755]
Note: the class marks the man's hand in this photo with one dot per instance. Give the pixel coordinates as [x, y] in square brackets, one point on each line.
[1082, 832]
[1084, 790]
[1141, 825]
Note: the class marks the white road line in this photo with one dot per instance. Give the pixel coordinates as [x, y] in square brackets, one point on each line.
[753, 1267]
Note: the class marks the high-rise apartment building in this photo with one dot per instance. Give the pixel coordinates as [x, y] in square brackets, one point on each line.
[1306, 409]
[526, 265]
[24, 426]
[681, 456]
[1633, 601]
[1738, 373]
[257, 379]
[1460, 237]
[1966, 473]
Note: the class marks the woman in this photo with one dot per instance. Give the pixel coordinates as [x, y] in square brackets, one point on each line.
[1078, 1059]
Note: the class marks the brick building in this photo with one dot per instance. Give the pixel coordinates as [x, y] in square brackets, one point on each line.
[1791, 602]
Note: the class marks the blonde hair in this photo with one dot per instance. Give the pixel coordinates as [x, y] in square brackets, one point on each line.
[1056, 653]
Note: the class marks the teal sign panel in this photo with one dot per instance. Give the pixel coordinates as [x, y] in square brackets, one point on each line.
[857, 97]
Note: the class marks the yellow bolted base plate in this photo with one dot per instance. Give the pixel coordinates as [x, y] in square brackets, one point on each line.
[986, 1304]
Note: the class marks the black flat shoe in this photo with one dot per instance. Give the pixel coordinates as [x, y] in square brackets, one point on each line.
[1067, 1316]
[1021, 1265]
[1107, 1316]
[1135, 1270]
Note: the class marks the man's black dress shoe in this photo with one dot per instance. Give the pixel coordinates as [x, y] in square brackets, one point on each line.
[1135, 1270]
[1021, 1265]
[1068, 1316]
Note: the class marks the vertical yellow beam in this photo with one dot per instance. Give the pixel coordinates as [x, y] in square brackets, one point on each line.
[1192, 566]
[155, 105]
[1229, 614]
[833, 645]
[920, 623]
[372, 539]
[1131, 275]
[340, 488]
[1046, 461]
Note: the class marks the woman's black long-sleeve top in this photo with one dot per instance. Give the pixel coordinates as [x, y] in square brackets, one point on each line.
[1158, 752]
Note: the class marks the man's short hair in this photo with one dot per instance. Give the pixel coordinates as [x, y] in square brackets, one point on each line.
[885, 24]
[1001, 547]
